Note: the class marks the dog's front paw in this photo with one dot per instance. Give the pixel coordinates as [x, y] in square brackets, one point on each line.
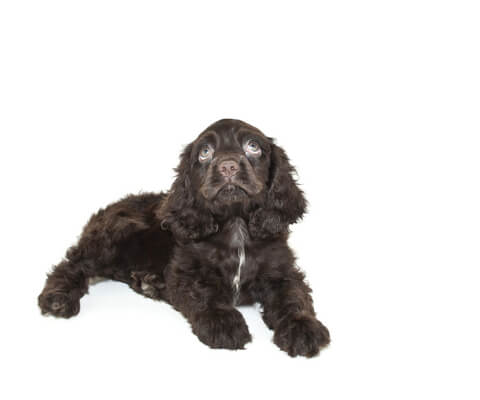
[301, 336]
[221, 328]
[58, 303]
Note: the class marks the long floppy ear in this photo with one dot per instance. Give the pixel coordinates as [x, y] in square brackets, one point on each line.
[178, 213]
[285, 202]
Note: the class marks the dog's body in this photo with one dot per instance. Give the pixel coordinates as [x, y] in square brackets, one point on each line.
[217, 239]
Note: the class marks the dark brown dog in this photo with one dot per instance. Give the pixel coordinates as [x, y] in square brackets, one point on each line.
[217, 239]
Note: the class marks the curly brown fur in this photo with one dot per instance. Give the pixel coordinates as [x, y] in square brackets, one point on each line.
[216, 240]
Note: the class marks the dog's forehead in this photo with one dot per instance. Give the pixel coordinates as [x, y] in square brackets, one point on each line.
[227, 131]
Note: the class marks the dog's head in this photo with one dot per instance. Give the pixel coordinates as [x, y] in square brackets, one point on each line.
[232, 169]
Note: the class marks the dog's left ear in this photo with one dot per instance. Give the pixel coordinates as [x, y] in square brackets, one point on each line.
[285, 202]
[178, 212]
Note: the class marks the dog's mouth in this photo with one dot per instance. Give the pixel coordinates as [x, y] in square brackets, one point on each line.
[233, 189]
[231, 193]
[228, 188]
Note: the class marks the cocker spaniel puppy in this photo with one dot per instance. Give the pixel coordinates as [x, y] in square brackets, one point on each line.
[217, 239]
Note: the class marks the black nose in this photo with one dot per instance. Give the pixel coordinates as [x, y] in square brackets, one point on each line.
[228, 168]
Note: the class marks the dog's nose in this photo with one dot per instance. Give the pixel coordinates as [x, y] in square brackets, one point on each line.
[228, 168]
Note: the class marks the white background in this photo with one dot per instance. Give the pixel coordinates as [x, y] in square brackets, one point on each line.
[377, 104]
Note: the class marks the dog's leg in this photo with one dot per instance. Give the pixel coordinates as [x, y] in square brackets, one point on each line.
[65, 285]
[207, 305]
[288, 310]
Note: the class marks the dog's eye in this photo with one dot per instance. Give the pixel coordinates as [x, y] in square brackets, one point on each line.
[252, 147]
[206, 153]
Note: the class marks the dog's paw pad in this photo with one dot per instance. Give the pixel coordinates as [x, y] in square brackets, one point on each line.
[148, 284]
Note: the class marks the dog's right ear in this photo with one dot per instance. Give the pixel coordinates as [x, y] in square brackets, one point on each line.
[178, 212]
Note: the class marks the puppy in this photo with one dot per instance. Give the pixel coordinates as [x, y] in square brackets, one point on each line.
[217, 239]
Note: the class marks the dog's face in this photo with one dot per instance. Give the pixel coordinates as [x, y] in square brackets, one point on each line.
[230, 165]
[232, 169]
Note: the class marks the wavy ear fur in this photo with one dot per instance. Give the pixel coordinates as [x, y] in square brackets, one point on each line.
[285, 202]
[178, 212]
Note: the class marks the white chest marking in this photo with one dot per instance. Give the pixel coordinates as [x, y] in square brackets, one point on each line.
[238, 241]
[241, 262]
